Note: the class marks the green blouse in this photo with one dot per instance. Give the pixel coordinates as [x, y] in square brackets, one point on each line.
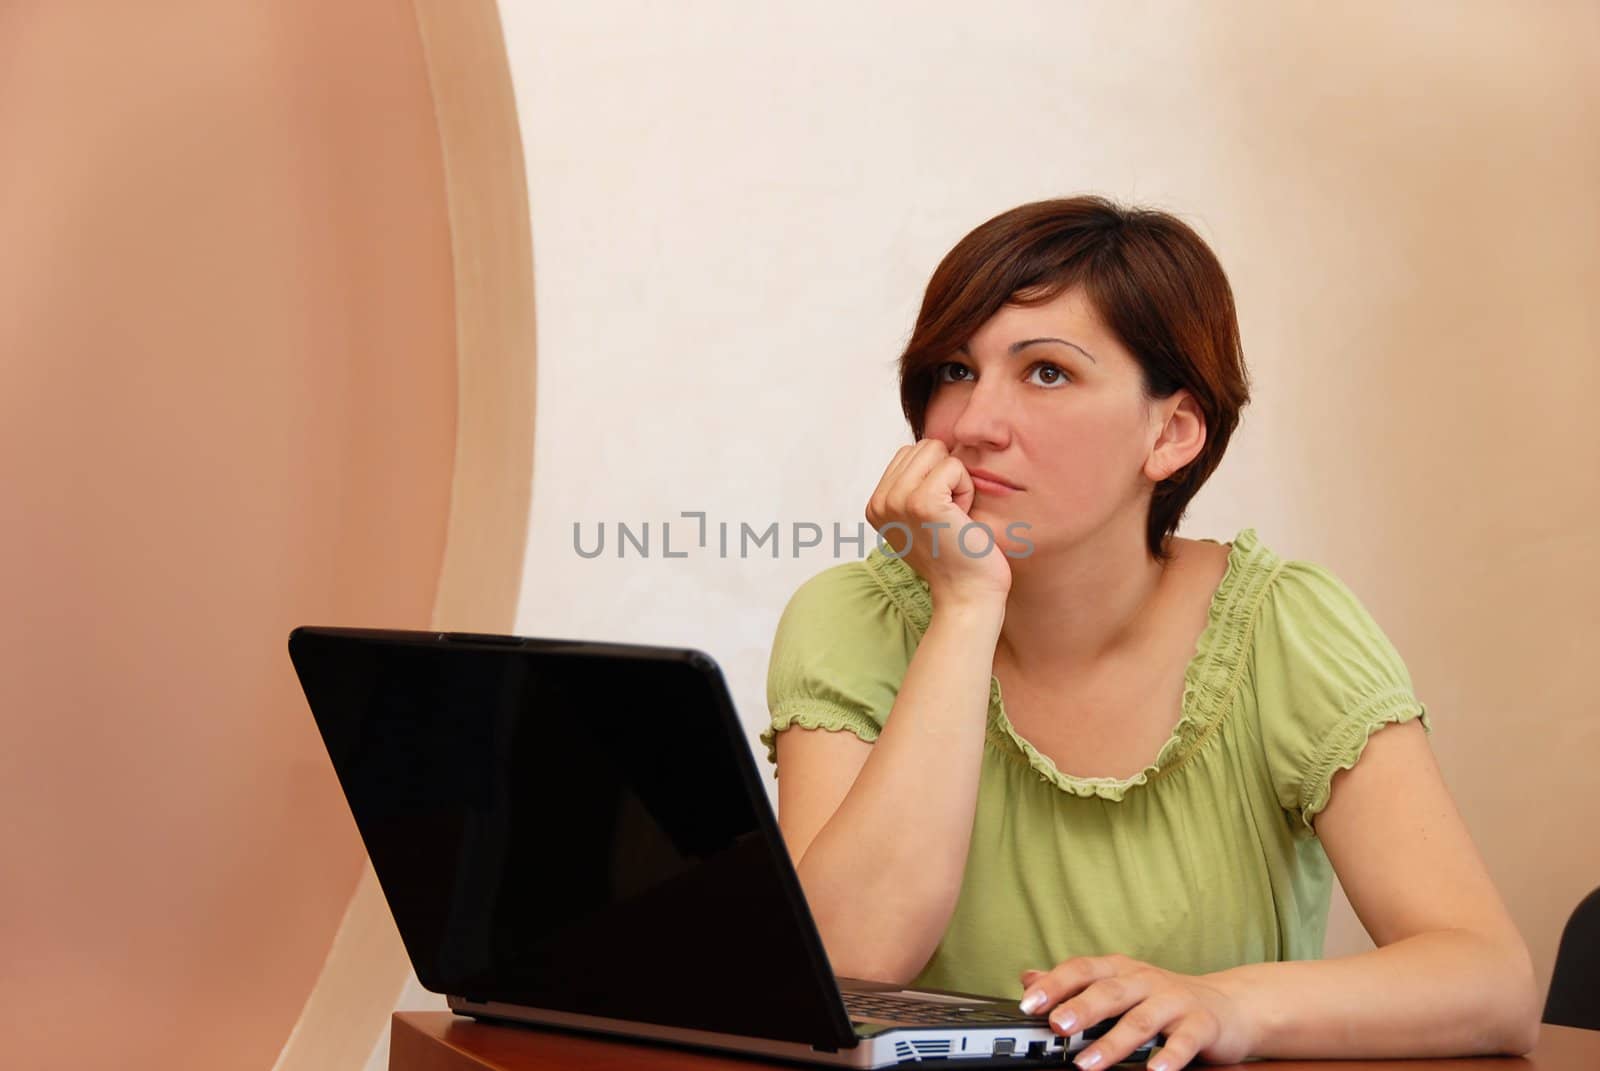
[1203, 860]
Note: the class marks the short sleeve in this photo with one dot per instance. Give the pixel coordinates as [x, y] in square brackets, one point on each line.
[1327, 678]
[839, 655]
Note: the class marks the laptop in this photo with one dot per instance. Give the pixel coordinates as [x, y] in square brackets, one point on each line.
[574, 834]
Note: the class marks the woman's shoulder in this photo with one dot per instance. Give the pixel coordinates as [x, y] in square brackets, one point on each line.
[842, 647]
[1261, 589]
[876, 591]
[853, 621]
[1312, 599]
[1292, 617]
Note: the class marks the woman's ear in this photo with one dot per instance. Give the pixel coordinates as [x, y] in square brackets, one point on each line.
[1180, 435]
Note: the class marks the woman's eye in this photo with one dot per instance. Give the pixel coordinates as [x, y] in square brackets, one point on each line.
[951, 372]
[1046, 375]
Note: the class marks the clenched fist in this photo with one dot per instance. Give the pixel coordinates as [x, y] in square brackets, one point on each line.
[925, 494]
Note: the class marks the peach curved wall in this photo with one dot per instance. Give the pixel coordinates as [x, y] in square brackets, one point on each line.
[227, 406]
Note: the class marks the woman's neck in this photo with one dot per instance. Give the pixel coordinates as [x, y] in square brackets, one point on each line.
[1072, 611]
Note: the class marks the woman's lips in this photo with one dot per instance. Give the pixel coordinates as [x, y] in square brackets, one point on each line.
[991, 485]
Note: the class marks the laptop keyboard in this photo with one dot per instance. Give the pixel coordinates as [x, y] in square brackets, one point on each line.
[910, 1009]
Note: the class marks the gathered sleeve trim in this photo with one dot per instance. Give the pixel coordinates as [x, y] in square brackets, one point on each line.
[1342, 747]
[816, 714]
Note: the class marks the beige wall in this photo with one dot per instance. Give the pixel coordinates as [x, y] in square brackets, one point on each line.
[227, 407]
[1423, 259]
[736, 206]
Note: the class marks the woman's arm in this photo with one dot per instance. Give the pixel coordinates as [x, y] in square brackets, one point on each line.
[1452, 976]
[881, 838]
[883, 871]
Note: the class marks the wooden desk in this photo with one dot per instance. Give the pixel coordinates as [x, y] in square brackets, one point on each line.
[440, 1041]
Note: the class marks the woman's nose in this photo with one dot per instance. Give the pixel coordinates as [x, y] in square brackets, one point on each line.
[984, 421]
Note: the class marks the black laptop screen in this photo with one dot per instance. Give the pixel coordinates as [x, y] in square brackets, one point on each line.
[563, 828]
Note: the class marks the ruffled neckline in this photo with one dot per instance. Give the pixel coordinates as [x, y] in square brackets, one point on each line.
[1210, 677]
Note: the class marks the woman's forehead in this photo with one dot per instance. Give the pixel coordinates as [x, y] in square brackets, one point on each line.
[1068, 316]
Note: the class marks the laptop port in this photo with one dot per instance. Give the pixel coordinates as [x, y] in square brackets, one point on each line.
[1036, 1048]
[1004, 1046]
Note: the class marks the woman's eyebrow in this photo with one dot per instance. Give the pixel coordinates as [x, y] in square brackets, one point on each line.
[1017, 347]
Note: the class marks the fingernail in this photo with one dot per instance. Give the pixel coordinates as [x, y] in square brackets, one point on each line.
[1065, 1020]
[1157, 1065]
[1032, 1002]
[1088, 1059]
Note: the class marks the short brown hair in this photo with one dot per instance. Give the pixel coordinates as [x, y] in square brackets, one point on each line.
[1148, 275]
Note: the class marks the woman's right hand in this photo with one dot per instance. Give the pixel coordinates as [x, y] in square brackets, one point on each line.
[925, 485]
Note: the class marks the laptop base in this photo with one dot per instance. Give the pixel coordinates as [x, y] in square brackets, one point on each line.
[967, 1047]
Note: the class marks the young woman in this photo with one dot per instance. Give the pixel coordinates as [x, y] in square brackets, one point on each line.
[1115, 767]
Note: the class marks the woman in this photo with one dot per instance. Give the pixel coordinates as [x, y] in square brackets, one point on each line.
[1115, 766]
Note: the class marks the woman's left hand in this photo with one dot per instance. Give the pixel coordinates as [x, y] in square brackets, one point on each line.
[1200, 1017]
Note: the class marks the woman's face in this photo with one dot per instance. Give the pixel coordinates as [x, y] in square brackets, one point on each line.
[1046, 399]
